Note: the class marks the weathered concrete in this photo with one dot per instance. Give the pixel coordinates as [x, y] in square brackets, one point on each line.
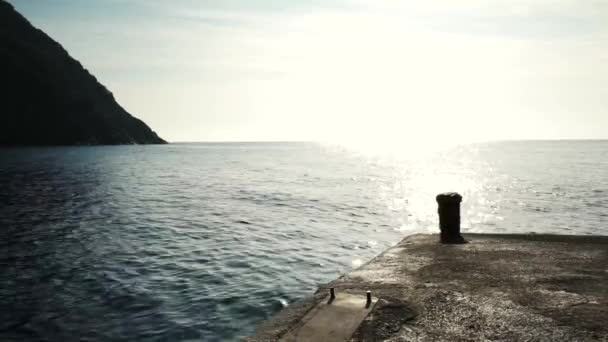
[334, 320]
[495, 288]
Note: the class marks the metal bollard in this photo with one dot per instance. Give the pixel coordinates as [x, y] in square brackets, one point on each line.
[332, 295]
[449, 217]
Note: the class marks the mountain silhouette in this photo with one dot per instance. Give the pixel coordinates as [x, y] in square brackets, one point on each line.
[48, 98]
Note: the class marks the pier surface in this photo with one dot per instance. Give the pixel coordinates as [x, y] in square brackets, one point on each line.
[494, 288]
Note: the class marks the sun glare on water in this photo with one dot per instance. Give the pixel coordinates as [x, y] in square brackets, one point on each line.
[420, 167]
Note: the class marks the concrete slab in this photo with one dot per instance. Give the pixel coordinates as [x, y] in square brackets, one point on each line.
[332, 322]
[495, 288]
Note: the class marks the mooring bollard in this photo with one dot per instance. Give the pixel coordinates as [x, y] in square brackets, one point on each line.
[332, 295]
[449, 217]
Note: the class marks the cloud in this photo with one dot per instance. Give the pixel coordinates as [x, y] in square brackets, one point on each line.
[524, 19]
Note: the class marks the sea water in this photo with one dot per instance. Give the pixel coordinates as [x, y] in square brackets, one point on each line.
[204, 241]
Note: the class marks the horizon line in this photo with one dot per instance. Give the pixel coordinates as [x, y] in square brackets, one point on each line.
[320, 141]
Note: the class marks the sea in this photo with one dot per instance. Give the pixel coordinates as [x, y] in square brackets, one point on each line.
[203, 241]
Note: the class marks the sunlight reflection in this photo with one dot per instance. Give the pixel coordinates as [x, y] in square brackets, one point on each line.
[416, 173]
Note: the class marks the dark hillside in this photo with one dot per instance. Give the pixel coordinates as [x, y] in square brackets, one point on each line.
[49, 98]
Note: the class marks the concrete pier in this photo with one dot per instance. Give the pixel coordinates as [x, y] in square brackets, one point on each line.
[471, 287]
[494, 288]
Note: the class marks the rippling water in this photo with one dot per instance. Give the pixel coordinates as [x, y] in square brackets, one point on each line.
[204, 241]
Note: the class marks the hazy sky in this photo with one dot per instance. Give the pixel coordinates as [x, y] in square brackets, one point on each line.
[361, 70]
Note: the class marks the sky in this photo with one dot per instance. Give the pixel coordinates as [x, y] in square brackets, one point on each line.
[359, 71]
